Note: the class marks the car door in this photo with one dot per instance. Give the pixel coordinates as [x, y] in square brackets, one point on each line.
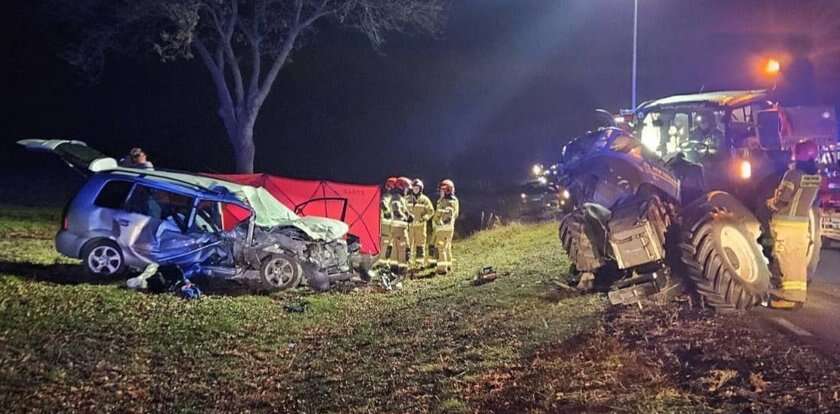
[154, 224]
[199, 240]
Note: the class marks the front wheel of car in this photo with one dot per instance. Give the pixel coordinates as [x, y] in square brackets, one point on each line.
[103, 258]
[280, 271]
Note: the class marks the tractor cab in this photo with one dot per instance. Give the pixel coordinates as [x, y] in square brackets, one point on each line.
[716, 130]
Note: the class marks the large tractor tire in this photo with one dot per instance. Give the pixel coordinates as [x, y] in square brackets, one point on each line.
[577, 243]
[726, 266]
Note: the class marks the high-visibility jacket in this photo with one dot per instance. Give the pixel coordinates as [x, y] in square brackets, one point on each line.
[795, 196]
[792, 206]
[446, 212]
[385, 208]
[421, 208]
[400, 213]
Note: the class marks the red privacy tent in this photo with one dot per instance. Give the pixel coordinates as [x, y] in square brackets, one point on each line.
[356, 205]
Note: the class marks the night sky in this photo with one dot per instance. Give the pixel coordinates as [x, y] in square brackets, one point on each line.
[505, 85]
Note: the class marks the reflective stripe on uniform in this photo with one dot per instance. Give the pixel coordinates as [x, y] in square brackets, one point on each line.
[794, 285]
[791, 222]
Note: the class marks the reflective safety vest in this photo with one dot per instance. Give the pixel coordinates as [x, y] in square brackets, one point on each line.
[795, 196]
[399, 210]
[385, 208]
[446, 212]
[421, 208]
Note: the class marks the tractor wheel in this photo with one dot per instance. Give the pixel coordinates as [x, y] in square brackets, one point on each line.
[577, 243]
[726, 266]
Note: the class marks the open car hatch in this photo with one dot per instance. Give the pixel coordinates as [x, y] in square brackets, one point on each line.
[75, 153]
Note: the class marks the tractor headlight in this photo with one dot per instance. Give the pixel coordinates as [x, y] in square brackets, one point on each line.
[745, 170]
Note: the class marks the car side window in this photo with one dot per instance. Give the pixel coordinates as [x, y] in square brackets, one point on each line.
[207, 217]
[160, 204]
[113, 194]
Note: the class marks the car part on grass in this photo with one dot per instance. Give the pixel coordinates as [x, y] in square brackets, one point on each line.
[389, 280]
[485, 275]
[296, 307]
[167, 279]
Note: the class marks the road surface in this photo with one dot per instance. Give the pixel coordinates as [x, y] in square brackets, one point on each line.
[818, 322]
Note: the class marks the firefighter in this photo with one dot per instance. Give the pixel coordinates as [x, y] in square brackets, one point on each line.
[400, 219]
[422, 210]
[385, 216]
[791, 207]
[443, 223]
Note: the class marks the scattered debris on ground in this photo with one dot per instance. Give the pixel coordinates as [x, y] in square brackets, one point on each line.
[296, 307]
[485, 275]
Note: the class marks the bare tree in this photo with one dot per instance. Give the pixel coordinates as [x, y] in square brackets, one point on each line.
[244, 44]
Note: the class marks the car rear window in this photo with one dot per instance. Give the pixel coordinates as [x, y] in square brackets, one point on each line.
[113, 194]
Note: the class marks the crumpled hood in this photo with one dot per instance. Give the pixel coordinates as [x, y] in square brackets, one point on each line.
[325, 228]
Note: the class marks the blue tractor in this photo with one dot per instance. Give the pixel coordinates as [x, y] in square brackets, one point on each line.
[673, 203]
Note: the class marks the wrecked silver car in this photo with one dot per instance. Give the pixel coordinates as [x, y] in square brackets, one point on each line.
[125, 219]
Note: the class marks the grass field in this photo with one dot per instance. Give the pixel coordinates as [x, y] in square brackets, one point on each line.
[69, 345]
[515, 345]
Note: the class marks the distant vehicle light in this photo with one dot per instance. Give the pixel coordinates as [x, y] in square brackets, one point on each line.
[523, 196]
[772, 67]
[542, 180]
[536, 169]
[566, 194]
[745, 170]
[826, 115]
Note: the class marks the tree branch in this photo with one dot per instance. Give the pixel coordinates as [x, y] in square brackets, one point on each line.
[278, 63]
[319, 12]
[222, 90]
[254, 40]
[289, 45]
[234, 62]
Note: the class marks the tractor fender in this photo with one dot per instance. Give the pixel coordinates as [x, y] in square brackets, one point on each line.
[726, 202]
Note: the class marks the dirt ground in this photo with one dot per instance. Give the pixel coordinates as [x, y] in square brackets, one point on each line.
[671, 358]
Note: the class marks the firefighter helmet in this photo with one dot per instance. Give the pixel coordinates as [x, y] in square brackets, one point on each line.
[447, 187]
[403, 183]
[805, 151]
[390, 183]
[418, 183]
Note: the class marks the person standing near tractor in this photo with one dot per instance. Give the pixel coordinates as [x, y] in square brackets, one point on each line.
[791, 207]
[385, 216]
[443, 223]
[422, 209]
[400, 219]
